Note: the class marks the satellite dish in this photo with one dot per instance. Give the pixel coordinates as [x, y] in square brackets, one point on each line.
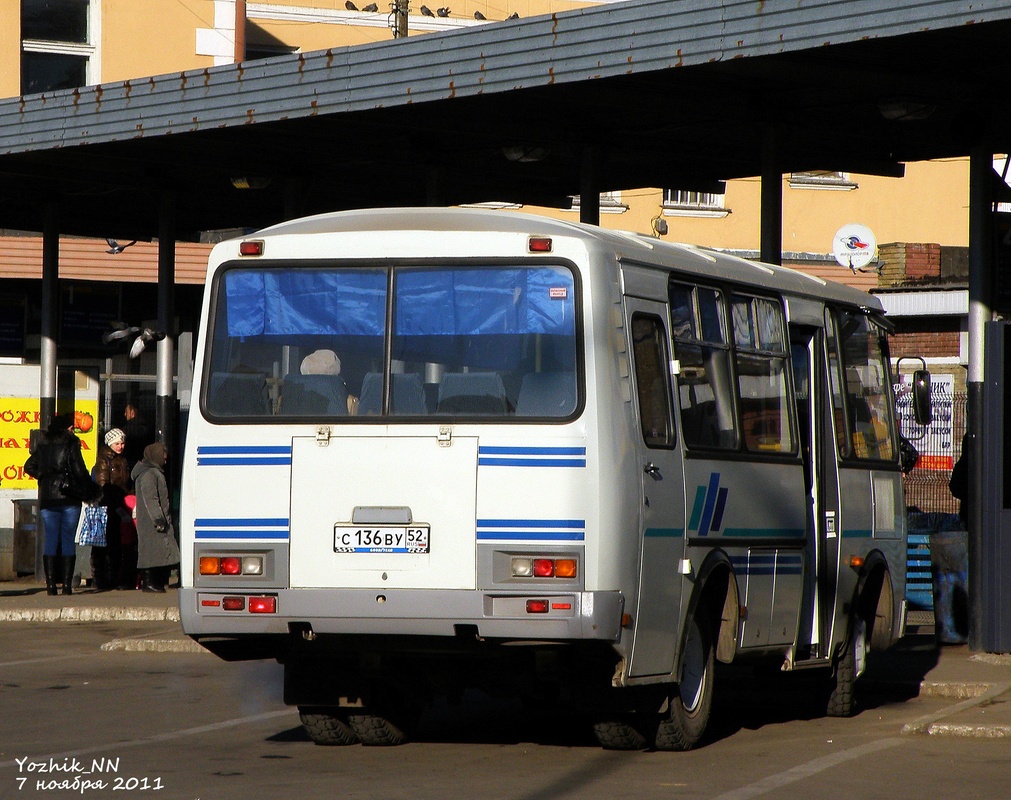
[854, 246]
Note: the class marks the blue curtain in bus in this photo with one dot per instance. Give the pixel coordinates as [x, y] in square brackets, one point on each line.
[474, 302]
[314, 302]
[444, 302]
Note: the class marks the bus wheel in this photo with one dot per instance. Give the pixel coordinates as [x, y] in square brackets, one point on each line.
[325, 728]
[688, 713]
[376, 731]
[616, 734]
[850, 666]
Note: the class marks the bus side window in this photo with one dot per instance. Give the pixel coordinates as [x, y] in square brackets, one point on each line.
[705, 384]
[652, 381]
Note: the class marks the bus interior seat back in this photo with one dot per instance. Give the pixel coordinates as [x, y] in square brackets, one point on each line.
[472, 393]
[547, 394]
[237, 394]
[305, 395]
[408, 395]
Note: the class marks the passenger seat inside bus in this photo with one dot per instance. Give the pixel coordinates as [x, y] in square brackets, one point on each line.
[472, 393]
[547, 394]
[408, 394]
[239, 394]
[314, 395]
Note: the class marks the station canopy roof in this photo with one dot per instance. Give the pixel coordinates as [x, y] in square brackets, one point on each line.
[674, 94]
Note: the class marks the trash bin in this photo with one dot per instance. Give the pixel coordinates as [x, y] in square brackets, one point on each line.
[28, 539]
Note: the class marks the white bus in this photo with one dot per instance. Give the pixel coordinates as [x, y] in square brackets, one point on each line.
[436, 449]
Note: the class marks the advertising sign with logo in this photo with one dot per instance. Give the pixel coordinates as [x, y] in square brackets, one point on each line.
[935, 441]
[854, 246]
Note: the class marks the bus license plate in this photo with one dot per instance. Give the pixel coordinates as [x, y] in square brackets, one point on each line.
[380, 539]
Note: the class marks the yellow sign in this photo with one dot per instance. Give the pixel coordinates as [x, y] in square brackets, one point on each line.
[19, 416]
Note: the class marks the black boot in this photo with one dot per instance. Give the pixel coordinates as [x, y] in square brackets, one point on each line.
[68, 573]
[49, 566]
[149, 581]
[101, 569]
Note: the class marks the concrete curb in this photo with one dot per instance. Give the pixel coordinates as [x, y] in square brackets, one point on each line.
[932, 725]
[155, 646]
[969, 731]
[90, 614]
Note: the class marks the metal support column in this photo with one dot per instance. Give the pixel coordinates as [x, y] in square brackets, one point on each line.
[980, 313]
[771, 245]
[164, 394]
[589, 187]
[50, 307]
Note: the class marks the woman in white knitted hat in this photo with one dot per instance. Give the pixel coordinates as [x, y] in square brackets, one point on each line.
[112, 473]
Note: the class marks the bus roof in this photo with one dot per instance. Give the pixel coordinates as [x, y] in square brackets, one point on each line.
[635, 247]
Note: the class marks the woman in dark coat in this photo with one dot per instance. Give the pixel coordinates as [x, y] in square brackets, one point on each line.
[157, 549]
[112, 564]
[58, 466]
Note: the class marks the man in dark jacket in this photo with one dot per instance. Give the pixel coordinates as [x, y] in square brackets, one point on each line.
[64, 483]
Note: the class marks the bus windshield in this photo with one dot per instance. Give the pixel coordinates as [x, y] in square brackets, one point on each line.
[319, 342]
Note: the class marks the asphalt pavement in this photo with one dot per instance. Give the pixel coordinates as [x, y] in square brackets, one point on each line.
[977, 684]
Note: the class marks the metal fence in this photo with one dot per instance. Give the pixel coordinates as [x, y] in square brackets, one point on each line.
[940, 445]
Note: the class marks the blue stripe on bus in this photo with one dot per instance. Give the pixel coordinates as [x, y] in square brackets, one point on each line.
[222, 522]
[516, 456]
[707, 511]
[241, 528]
[532, 536]
[243, 455]
[259, 533]
[232, 461]
[532, 530]
[531, 462]
[531, 523]
[247, 449]
[531, 451]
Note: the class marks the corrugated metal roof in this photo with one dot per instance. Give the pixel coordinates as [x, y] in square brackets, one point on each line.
[651, 93]
[926, 303]
[606, 41]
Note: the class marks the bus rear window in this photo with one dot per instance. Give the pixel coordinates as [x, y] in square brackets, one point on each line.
[326, 342]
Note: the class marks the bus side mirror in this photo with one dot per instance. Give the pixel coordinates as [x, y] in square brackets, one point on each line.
[922, 412]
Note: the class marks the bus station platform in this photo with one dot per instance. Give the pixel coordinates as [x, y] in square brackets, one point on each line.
[978, 685]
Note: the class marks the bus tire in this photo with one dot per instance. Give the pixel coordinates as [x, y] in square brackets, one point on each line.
[373, 730]
[689, 706]
[616, 734]
[325, 728]
[842, 697]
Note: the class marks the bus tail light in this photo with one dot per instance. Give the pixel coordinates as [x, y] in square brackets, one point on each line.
[537, 606]
[231, 565]
[262, 605]
[251, 247]
[531, 567]
[233, 603]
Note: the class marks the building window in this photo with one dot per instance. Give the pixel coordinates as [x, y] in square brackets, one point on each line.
[610, 203]
[684, 203]
[56, 44]
[822, 179]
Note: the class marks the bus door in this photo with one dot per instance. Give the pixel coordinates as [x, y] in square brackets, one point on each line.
[817, 445]
[662, 543]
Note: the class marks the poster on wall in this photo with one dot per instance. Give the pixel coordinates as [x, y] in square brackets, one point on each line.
[935, 441]
[19, 416]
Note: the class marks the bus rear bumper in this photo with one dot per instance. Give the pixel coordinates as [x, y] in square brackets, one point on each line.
[557, 616]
